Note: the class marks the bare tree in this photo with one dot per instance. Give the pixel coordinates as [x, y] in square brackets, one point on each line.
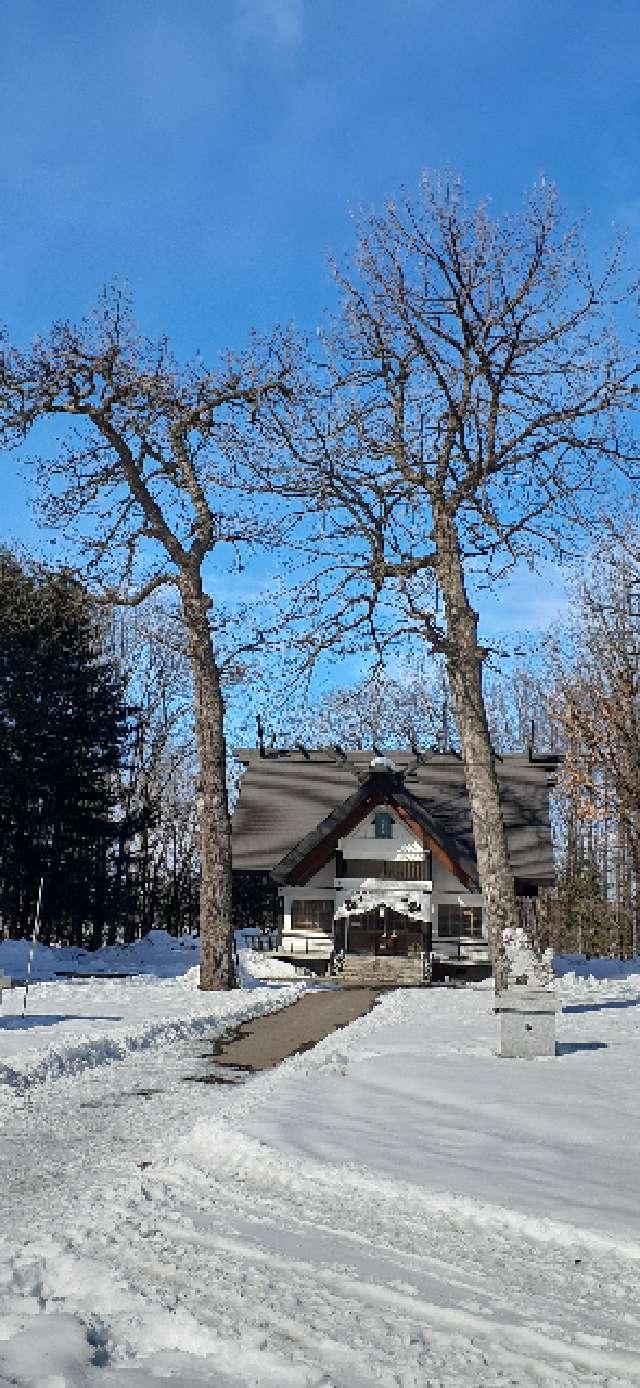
[407, 708]
[594, 694]
[469, 406]
[517, 702]
[143, 482]
[156, 788]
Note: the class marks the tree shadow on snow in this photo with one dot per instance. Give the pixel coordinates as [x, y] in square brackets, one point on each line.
[572, 1047]
[45, 1020]
[600, 1006]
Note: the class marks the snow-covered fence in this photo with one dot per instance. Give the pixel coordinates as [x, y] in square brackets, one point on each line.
[261, 941]
[252, 939]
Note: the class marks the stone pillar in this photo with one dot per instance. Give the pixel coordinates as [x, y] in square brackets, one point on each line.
[527, 1022]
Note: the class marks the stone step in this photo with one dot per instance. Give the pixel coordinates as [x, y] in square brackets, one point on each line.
[381, 970]
[373, 980]
[382, 962]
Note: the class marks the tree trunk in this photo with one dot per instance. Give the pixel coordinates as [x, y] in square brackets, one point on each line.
[464, 666]
[100, 893]
[175, 900]
[215, 834]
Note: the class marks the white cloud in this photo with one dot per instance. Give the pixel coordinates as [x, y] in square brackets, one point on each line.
[524, 602]
[280, 20]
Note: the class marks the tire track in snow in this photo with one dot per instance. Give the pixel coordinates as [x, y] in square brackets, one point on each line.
[371, 1295]
[249, 1268]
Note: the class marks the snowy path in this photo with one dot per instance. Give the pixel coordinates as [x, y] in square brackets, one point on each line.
[304, 1232]
[84, 1022]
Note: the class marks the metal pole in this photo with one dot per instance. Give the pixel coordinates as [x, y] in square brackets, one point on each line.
[34, 938]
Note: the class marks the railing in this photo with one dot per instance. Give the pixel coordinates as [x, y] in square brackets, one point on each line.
[323, 945]
[264, 942]
[462, 946]
[298, 946]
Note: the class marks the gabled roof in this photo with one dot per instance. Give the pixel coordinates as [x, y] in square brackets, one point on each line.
[287, 794]
[315, 849]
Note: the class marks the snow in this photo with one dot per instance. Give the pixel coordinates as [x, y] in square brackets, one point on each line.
[571, 967]
[256, 966]
[158, 953]
[78, 1023]
[398, 1206]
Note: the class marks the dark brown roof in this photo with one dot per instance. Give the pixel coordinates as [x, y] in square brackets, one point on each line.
[285, 795]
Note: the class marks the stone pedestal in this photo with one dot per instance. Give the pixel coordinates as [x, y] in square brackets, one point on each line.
[4, 983]
[527, 1022]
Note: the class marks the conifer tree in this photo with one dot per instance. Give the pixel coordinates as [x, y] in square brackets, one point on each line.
[62, 722]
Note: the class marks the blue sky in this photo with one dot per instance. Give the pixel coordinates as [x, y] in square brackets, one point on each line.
[211, 153]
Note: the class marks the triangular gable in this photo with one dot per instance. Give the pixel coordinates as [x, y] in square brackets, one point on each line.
[421, 824]
[319, 846]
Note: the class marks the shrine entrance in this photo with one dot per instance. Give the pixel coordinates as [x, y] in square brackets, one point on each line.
[382, 931]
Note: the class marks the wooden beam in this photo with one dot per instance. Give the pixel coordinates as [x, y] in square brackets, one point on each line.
[323, 851]
[428, 842]
[318, 856]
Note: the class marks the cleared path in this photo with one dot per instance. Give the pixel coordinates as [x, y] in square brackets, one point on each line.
[266, 1041]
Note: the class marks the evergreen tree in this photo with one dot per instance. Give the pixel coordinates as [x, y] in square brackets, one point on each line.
[62, 721]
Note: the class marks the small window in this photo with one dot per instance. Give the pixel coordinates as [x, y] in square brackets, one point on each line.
[312, 915]
[383, 825]
[459, 922]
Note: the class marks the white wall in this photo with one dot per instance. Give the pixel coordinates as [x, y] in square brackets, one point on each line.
[308, 893]
[403, 846]
[362, 842]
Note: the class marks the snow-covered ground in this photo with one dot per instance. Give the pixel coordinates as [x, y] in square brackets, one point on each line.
[158, 954]
[76, 1021]
[396, 1207]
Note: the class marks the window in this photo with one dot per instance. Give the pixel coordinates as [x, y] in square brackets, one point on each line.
[409, 870]
[312, 915]
[383, 825]
[458, 921]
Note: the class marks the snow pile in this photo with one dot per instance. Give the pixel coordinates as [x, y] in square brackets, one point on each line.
[157, 953]
[258, 966]
[255, 967]
[53, 1351]
[570, 969]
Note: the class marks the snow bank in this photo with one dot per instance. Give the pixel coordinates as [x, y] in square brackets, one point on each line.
[77, 1023]
[255, 968]
[570, 968]
[157, 953]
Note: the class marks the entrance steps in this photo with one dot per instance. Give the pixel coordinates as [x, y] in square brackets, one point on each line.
[370, 969]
